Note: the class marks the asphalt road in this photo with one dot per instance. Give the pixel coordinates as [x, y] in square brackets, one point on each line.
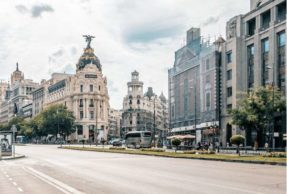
[48, 170]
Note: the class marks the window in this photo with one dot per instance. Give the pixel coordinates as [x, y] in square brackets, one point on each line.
[229, 74]
[207, 79]
[229, 106]
[207, 64]
[265, 60]
[251, 26]
[281, 55]
[265, 20]
[81, 103]
[91, 88]
[229, 91]
[281, 39]
[138, 101]
[81, 114]
[91, 103]
[229, 57]
[265, 45]
[131, 122]
[81, 88]
[80, 130]
[281, 12]
[250, 65]
[91, 114]
[207, 101]
[147, 134]
[99, 88]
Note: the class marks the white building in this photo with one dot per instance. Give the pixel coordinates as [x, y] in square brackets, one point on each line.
[85, 93]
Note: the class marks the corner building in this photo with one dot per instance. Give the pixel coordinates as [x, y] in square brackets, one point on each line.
[85, 93]
[254, 55]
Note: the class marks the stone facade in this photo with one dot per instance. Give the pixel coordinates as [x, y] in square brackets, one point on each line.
[194, 88]
[254, 51]
[141, 111]
[115, 123]
[212, 78]
[18, 95]
[85, 93]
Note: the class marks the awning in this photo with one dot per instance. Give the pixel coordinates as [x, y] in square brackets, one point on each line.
[181, 137]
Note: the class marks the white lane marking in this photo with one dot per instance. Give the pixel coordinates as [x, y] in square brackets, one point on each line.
[7, 176]
[54, 182]
[19, 189]
[10, 179]
[14, 183]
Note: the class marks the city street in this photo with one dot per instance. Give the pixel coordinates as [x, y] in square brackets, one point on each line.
[47, 169]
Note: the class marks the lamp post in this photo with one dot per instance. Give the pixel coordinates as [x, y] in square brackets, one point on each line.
[273, 120]
[194, 92]
[59, 136]
[154, 120]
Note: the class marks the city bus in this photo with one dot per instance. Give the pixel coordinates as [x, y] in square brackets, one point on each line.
[138, 139]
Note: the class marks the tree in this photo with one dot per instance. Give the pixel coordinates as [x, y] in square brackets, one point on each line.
[176, 143]
[56, 119]
[255, 111]
[237, 140]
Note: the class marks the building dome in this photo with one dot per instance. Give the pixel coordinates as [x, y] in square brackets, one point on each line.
[88, 57]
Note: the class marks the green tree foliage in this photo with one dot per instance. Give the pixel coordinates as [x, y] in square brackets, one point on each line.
[237, 140]
[53, 120]
[255, 111]
[176, 142]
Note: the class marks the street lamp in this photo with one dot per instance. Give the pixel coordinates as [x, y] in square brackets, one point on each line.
[194, 92]
[154, 120]
[59, 136]
[273, 91]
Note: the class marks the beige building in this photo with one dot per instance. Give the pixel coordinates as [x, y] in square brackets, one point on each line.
[3, 88]
[115, 123]
[17, 98]
[85, 93]
[143, 112]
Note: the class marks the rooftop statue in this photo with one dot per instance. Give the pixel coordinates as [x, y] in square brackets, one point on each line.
[88, 40]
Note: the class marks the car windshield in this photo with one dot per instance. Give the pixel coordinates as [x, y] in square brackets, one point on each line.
[131, 135]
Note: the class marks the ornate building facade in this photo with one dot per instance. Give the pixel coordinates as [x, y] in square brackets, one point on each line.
[194, 88]
[85, 93]
[143, 112]
[18, 97]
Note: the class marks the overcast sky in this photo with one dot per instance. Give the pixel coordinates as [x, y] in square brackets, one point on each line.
[46, 36]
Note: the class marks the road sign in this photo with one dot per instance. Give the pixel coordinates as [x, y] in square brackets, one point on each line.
[276, 134]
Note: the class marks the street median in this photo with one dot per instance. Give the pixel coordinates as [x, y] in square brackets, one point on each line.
[187, 155]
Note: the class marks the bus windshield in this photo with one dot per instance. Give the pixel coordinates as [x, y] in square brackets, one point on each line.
[132, 135]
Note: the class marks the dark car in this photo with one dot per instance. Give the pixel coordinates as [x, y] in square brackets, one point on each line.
[117, 142]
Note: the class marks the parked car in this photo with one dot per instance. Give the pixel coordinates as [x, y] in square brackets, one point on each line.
[116, 142]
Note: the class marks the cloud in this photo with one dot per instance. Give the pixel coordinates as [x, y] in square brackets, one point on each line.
[141, 35]
[211, 20]
[36, 10]
[22, 8]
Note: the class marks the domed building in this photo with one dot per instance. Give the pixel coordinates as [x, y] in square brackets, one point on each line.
[85, 93]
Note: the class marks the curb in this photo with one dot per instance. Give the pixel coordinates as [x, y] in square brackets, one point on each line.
[180, 157]
[13, 158]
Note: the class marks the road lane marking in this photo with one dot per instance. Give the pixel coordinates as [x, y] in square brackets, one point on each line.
[54, 182]
[14, 183]
[10, 179]
[20, 189]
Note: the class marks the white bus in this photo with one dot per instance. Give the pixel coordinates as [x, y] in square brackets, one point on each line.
[138, 139]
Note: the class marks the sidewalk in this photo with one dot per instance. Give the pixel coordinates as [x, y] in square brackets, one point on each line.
[17, 156]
